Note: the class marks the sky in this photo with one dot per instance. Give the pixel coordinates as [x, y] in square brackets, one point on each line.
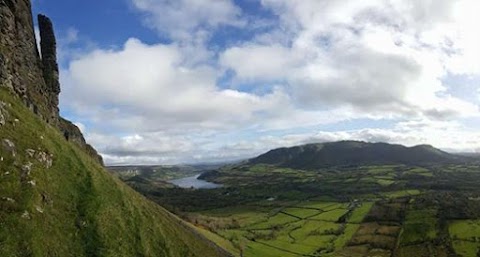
[195, 81]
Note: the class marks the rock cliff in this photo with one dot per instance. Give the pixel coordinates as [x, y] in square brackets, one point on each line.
[55, 199]
[33, 75]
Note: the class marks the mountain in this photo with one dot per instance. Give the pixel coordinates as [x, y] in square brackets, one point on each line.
[342, 153]
[56, 198]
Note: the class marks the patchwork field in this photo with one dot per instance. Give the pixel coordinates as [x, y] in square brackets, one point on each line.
[367, 211]
[305, 229]
[465, 235]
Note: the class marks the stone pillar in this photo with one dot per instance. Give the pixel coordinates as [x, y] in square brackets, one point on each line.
[48, 49]
[48, 46]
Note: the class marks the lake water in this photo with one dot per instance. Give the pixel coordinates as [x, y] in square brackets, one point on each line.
[194, 182]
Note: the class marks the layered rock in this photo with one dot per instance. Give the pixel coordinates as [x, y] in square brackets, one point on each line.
[31, 76]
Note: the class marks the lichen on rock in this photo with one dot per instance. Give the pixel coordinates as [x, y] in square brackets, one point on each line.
[3, 113]
[26, 169]
[9, 146]
[46, 159]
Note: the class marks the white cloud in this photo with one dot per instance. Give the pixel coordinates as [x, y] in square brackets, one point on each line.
[463, 38]
[184, 20]
[326, 62]
[387, 56]
[439, 134]
[152, 87]
[257, 62]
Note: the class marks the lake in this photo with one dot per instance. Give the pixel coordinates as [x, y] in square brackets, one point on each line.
[194, 182]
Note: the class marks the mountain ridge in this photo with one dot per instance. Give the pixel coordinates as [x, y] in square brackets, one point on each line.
[318, 155]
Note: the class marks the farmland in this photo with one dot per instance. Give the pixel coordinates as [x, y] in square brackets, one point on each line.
[373, 210]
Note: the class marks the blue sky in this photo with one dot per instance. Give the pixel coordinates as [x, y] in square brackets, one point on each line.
[164, 82]
[106, 22]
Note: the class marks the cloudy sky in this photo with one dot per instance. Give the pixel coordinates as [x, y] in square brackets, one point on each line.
[182, 81]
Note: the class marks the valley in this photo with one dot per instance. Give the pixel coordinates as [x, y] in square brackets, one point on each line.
[350, 210]
[342, 97]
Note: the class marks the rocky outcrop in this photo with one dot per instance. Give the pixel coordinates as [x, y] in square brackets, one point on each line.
[48, 46]
[73, 134]
[32, 76]
[20, 64]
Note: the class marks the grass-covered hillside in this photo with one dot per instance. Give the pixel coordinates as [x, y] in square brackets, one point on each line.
[57, 201]
[345, 153]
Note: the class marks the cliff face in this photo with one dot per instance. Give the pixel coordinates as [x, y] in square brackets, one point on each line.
[33, 77]
[55, 200]
[20, 64]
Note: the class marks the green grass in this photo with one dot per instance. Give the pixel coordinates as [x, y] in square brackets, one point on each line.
[279, 219]
[244, 215]
[284, 235]
[402, 193]
[385, 182]
[302, 212]
[368, 180]
[220, 241]
[377, 170]
[332, 215]
[359, 213]
[324, 206]
[419, 171]
[464, 229]
[466, 248]
[419, 226]
[313, 227]
[388, 176]
[348, 233]
[77, 208]
[257, 249]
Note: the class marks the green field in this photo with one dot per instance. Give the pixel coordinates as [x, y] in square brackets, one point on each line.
[466, 237]
[419, 226]
[359, 213]
[307, 228]
[465, 229]
[419, 171]
[386, 210]
[302, 212]
[466, 248]
[402, 193]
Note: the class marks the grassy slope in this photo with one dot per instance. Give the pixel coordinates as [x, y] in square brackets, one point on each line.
[76, 208]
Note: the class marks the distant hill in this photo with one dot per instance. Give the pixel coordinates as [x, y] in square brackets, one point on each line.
[342, 153]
